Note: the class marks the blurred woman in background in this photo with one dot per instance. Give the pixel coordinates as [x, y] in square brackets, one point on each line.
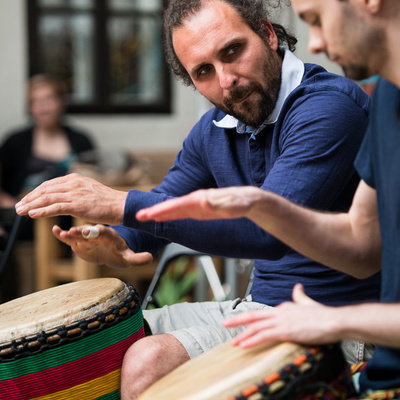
[43, 150]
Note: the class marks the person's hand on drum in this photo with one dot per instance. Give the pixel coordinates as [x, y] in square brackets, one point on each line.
[302, 321]
[74, 195]
[101, 245]
[205, 204]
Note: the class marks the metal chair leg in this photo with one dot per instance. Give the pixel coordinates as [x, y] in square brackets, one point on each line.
[204, 261]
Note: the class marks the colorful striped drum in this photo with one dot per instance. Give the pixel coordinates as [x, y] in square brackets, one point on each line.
[68, 342]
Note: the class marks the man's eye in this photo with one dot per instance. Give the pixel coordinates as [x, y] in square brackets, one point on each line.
[316, 22]
[204, 70]
[233, 49]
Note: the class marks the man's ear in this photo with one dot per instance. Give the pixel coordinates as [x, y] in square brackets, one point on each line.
[270, 34]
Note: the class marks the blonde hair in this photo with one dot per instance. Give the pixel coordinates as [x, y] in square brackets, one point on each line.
[46, 80]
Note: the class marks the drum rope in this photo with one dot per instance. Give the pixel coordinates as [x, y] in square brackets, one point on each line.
[64, 334]
[301, 380]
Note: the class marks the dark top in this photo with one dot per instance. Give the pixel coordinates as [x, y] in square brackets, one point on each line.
[378, 163]
[17, 161]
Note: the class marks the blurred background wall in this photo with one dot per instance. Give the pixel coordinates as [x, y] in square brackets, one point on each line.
[147, 132]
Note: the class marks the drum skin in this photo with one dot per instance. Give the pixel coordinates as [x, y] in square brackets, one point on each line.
[68, 342]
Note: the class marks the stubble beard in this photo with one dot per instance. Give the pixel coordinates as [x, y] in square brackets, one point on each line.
[356, 72]
[368, 66]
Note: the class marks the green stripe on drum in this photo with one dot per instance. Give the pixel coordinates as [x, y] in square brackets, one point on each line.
[111, 396]
[72, 351]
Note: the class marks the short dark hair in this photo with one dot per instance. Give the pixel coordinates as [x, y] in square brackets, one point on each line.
[253, 12]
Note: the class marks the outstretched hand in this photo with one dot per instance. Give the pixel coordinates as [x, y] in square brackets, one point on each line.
[206, 204]
[74, 195]
[108, 248]
[302, 321]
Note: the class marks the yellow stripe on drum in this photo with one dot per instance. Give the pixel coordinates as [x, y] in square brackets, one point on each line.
[89, 390]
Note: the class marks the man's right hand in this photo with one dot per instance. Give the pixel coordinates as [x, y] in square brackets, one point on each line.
[75, 195]
[108, 248]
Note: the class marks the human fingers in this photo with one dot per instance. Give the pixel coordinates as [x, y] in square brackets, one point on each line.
[52, 186]
[203, 204]
[252, 333]
[247, 340]
[47, 200]
[116, 251]
[62, 235]
[138, 259]
[42, 189]
[70, 237]
[90, 232]
[188, 206]
[299, 296]
[77, 200]
[247, 317]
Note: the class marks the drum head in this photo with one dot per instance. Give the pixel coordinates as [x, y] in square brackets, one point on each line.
[59, 305]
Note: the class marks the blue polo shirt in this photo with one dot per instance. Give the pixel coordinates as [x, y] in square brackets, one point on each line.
[304, 152]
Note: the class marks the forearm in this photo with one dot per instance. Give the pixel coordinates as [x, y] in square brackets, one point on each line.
[239, 238]
[347, 242]
[370, 323]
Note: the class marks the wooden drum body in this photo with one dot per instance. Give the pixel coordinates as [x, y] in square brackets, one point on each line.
[68, 342]
[270, 371]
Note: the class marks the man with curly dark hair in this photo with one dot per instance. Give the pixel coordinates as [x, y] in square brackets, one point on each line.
[253, 14]
[278, 124]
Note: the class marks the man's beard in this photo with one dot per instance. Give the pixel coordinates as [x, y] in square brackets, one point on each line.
[253, 112]
[368, 66]
[356, 72]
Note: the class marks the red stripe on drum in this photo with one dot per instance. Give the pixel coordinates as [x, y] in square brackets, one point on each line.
[69, 374]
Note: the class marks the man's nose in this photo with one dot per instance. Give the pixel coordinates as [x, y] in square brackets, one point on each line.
[227, 77]
[316, 42]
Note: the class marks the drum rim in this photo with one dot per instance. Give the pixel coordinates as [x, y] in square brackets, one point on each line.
[64, 334]
[278, 384]
[58, 305]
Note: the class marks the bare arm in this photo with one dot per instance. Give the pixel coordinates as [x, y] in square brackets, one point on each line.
[77, 196]
[349, 242]
[308, 322]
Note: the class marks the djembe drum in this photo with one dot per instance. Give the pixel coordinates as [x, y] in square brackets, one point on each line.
[272, 371]
[68, 342]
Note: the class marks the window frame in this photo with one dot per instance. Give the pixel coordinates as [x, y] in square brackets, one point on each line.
[100, 105]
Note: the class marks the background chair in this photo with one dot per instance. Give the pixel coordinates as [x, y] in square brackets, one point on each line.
[204, 263]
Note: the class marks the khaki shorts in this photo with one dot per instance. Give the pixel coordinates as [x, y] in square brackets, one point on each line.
[198, 326]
